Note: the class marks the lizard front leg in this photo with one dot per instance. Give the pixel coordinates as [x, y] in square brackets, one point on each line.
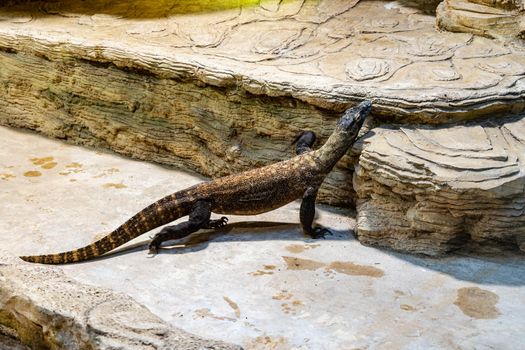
[307, 214]
[199, 218]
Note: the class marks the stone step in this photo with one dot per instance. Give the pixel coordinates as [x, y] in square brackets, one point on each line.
[45, 309]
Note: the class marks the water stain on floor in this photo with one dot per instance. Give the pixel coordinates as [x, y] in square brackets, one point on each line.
[268, 343]
[6, 176]
[398, 293]
[206, 313]
[106, 172]
[267, 271]
[71, 168]
[233, 305]
[477, 303]
[349, 268]
[299, 264]
[32, 173]
[292, 307]
[261, 273]
[283, 295]
[74, 165]
[407, 307]
[112, 185]
[49, 165]
[344, 267]
[41, 161]
[299, 248]
[45, 162]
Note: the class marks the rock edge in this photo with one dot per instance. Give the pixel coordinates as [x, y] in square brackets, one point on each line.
[44, 309]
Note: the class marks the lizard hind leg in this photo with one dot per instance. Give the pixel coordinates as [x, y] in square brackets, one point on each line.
[199, 218]
[214, 224]
[304, 142]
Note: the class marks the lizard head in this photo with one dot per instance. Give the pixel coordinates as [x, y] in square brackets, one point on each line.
[353, 119]
[344, 135]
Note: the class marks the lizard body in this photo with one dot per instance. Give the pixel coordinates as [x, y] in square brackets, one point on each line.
[248, 193]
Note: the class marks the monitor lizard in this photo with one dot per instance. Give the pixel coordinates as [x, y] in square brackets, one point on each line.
[248, 193]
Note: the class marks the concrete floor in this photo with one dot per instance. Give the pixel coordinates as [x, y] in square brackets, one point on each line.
[261, 283]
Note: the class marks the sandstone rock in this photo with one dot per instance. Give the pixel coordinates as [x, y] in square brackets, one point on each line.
[502, 19]
[140, 78]
[325, 53]
[434, 189]
[231, 93]
[7, 343]
[44, 309]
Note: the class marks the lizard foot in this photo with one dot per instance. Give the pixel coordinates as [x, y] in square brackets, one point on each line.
[217, 223]
[153, 247]
[320, 232]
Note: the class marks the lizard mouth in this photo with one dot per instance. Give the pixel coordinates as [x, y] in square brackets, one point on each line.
[354, 117]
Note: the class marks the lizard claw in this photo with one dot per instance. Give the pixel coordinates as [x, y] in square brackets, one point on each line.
[320, 232]
[218, 223]
[222, 221]
[153, 247]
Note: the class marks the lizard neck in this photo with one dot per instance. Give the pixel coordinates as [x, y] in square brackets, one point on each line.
[335, 148]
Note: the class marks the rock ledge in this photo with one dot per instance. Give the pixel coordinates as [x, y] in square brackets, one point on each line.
[44, 309]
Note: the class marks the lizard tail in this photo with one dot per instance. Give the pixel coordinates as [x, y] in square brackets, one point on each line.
[163, 211]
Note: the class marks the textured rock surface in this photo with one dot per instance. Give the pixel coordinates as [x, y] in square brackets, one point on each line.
[45, 309]
[433, 189]
[8, 343]
[165, 121]
[231, 93]
[260, 283]
[502, 19]
[327, 53]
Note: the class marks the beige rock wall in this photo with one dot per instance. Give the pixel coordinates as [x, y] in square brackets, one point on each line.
[431, 190]
[176, 122]
[326, 53]
[220, 87]
[231, 93]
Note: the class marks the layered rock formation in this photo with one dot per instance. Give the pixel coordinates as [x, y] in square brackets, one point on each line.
[142, 79]
[44, 309]
[434, 189]
[231, 93]
[502, 19]
[325, 53]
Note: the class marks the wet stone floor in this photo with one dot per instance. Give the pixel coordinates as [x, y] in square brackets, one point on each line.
[259, 283]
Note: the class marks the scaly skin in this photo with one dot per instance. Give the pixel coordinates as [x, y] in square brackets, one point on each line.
[251, 192]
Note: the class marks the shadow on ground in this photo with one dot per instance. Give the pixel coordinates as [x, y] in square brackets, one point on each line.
[244, 231]
[506, 270]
